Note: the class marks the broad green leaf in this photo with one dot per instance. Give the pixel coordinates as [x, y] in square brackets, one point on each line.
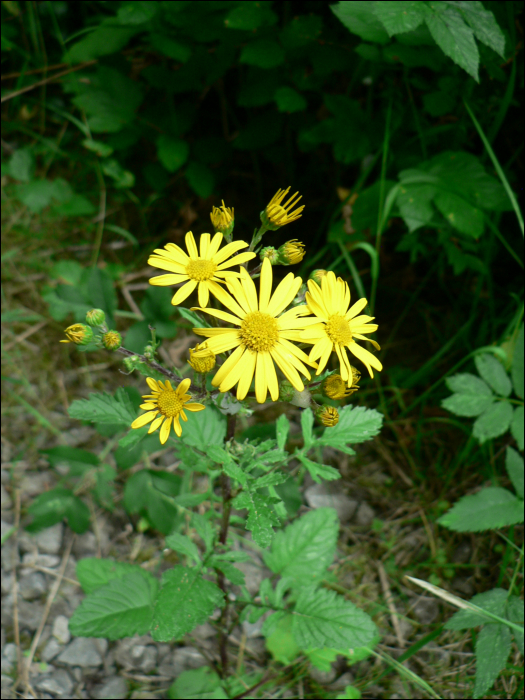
[493, 372]
[282, 428]
[137, 12]
[399, 17]
[100, 291]
[261, 516]
[183, 544]
[492, 651]
[492, 601]
[121, 178]
[250, 16]
[360, 18]
[514, 466]
[460, 214]
[172, 152]
[517, 365]
[106, 38]
[177, 50]
[289, 100]
[281, 643]
[301, 31]
[264, 53]
[185, 601]
[93, 573]
[196, 684]
[153, 494]
[204, 428]
[483, 23]
[307, 421]
[452, 35]
[232, 573]
[356, 424]
[318, 472]
[122, 607]
[515, 614]
[489, 509]
[324, 619]
[51, 507]
[493, 422]
[467, 405]
[104, 408]
[200, 178]
[304, 550]
[21, 165]
[516, 427]
[78, 460]
[36, 195]
[414, 202]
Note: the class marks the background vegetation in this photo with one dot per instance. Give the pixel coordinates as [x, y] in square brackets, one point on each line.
[124, 122]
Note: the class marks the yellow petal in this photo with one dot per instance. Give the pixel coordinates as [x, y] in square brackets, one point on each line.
[204, 245]
[165, 430]
[247, 376]
[228, 301]
[284, 293]
[191, 246]
[228, 250]
[294, 350]
[167, 280]
[177, 253]
[223, 315]
[218, 344]
[144, 419]
[183, 386]
[184, 292]
[204, 293]
[152, 383]
[344, 364]
[214, 246]
[286, 368]
[261, 384]
[235, 374]
[271, 377]
[237, 260]
[366, 357]
[356, 309]
[165, 264]
[237, 291]
[265, 285]
[194, 407]
[176, 426]
[228, 365]
[158, 420]
[149, 406]
[315, 308]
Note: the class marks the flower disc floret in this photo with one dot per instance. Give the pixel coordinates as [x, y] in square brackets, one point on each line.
[338, 329]
[205, 267]
[259, 332]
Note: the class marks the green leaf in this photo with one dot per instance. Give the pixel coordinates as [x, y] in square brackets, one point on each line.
[304, 550]
[472, 398]
[113, 169]
[200, 178]
[360, 18]
[493, 422]
[264, 53]
[153, 493]
[462, 215]
[250, 16]
[301, 31]
[36, 195]
[21, 165]
[185, 601]
[484, 25]
[492, 601]
[356, 424]
[100, 291]
[282, 428]
[170, 47]
[183, 544]
[514, 467]
[492, 650]
[281, 643]
[289, 100]
[516, 427]
[232, 573]
[172, 153]
[493, 372]
[137, 12]
[414, 202]
[452, 35]
[93, 573]
[78, 460]
[261, 516]
[204, 428]
[517, 364]
[322, 618]
[105, 39]
[196, 684]
[307, 421]
[318, 472]
[121, 608]
[489, 509]
[399, 17]
[515, 614]
[51, 507]
[192, 317]
[105, 486]
[104, 408]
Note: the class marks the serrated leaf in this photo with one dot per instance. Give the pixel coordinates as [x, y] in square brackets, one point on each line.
[204, 529]
[492, 601]
[399, 17]
[356, 424]
[318, 472]
[282, 428]
[185, 601]
[484, 25]
[514, 466]
[93, 573]
[104, 408]
[204, 429]
[515, 614]
[232, 573]
[493, 372]
[51, 507]
[517, 364]
[493, 422]
[322, 618]
[271, 479]
[516, 426]
[183, 544]
[490, 509]
[468, 384]
[261, 516]
[359, 18]
[492, 650]
[467, 405]
[304, 550]
[196, 684]
[281, 643]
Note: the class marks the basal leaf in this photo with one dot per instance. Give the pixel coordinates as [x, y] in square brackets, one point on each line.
[492, 651]
[489, 509]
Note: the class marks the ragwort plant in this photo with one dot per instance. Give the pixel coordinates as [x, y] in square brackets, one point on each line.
[267, 342]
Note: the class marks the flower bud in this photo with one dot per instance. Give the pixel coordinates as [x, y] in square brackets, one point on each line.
[223, 220]
[317, 275]
[149, 352]
[131, 363]
[334, 387]
[270, 253]
[327, 415]
[79, 334]
[95, 317]
[291, 252]
[286, 391]
[201, 359]
[278, 214]
[112, 340]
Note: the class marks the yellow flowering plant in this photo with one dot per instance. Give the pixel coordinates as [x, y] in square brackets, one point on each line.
[264, 336]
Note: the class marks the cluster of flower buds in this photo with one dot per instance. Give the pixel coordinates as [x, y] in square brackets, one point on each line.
[290, 253]
[83, 333]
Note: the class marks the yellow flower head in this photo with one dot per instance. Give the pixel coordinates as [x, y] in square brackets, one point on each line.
[204, 267]
[279, 214]
[222, 221]
[291, 252]
[338, 326]
[317, 275]
[328, 415]
[79, 334]
[260, 336]
[203, 364]
[112, 340]
[165, 406]
[335, 388]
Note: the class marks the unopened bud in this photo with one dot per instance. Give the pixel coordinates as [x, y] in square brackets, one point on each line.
[317, 275]
[286, 391]
[291, 252]
[270, 253]
[279, 214]
[201, 359]
[223, 220]
[327, 415]
[79, 334]
[334, 387]
[95, 317]
[112, 340]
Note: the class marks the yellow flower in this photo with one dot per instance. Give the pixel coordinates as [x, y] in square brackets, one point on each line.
[112, 340]
[204, 363]
[205, 267]
[338, 326]
[79, 334]
[335, 388]
[279, 214]
[222, 220]
[165, 407]
[261, 337]
[292, 252]
[328, 415]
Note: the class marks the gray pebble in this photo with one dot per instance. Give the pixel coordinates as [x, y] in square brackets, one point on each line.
[365, 514]
[52, 649]
[321, 496]
[32, 586]
[58, 683]
[84, 651]
[112, 689]
[61, 629]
